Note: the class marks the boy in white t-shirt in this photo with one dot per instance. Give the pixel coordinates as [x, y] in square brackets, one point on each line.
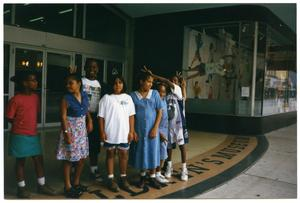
[92, 87]
[177, 126]
[116, 121]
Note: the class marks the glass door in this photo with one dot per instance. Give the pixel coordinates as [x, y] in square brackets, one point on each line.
[114, 68]
[56, 70]
[6, 81]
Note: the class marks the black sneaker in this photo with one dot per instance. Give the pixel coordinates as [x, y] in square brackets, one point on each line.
[72, 193]
[46, 190]
[96, 176]
[142, 182]
[153, 183]
[112, 185]
[81, 188]
[124, 183]
[23, 193]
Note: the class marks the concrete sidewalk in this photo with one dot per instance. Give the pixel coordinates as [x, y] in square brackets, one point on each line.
[274, 176]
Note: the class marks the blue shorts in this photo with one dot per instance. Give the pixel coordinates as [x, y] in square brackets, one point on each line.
[163, 150]
[122, 146]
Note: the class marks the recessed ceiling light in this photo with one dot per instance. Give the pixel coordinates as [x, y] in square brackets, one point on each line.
[7, 11]
[36, 19]
[65, 11]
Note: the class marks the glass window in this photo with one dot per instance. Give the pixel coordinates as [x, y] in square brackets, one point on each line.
[113, 68]
[78, 63]
[260, 68]
[30, 60]
[212, 68]
[57, 70]
[104, 26]
[7, 10]
[246, 48]
[54, 18]
[6, 67]
[79, 20]
[280, 81]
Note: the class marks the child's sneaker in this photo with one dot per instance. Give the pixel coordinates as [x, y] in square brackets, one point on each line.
[46, 190]
[161, 179]
[142, 182]
[112, 185]
[23, 193]
[72, 193]
[153, 183]
[168, 172]
[124, 183]
[96, 176]
[81, 188]
[184, 174]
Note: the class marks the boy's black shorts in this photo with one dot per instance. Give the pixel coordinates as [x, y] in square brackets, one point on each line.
[94, 137]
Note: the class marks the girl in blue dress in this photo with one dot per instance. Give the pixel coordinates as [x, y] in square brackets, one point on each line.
[145, 151]
[178, 133]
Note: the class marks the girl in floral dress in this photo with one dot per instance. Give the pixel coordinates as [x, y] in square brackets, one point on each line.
[73, 144]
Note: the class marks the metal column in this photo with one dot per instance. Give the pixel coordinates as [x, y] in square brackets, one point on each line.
[254, 69]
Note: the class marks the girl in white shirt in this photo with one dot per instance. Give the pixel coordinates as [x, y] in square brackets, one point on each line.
[116, 121]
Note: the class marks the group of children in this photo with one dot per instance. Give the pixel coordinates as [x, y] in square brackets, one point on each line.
[142, 128]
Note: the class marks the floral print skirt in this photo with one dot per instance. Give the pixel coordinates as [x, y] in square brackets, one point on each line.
[79, 148]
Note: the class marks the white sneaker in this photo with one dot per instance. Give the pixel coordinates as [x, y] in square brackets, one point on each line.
[161, 179]
[184, 175]
[168, 172]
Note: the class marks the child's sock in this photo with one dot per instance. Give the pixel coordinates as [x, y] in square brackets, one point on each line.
[143, 173]
[170, 163]
[183, 166]
[152, 175]
[158, 173]
[94, 169]
[21, 183]
[41, 181]
[111, 176]
[123, 175]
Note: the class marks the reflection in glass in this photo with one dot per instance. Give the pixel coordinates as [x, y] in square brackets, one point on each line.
[57, 69]
[280, 82]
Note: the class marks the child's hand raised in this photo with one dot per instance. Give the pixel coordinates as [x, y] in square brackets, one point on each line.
[146, 70]
[183, 83]
[72, 69]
